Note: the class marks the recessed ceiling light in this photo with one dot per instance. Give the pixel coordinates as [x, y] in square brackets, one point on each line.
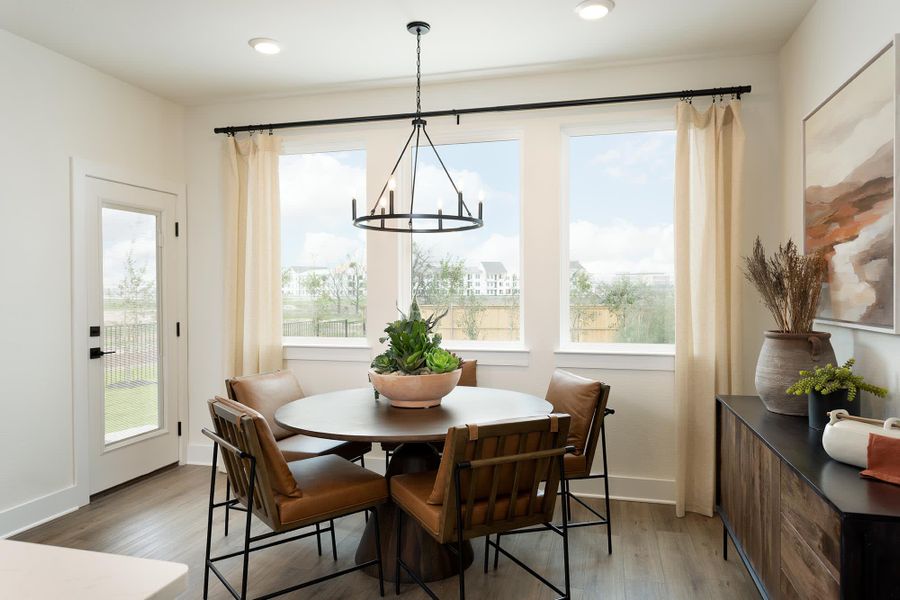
[591, 10]
[265, 45]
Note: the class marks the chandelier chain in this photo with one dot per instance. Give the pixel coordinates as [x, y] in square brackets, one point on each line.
[418, 71]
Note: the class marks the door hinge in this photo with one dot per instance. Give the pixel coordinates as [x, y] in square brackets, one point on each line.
[176, 228]
[177, 328]
[179, 428]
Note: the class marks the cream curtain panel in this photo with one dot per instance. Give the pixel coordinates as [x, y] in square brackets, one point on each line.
[708, 169]
[253, 255]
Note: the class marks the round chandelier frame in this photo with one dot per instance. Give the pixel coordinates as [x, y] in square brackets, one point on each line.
[382, 216]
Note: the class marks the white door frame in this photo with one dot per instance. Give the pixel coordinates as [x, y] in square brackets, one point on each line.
[80, 170]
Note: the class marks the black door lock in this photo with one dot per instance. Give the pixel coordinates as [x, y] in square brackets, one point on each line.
[97, 352]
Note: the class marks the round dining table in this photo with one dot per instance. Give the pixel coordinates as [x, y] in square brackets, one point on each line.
[357, 415]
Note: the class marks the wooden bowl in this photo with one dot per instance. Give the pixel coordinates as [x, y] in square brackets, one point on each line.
[415, 391]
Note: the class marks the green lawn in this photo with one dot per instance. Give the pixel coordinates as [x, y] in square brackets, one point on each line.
[129, 407]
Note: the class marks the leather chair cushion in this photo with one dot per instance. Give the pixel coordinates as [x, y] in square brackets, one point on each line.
[283, 481]
[484, 480]
[266, 393]
[577, 397]
[575, 465]
[469, 376]
[411, 492]
[299, 447]
[331, 487]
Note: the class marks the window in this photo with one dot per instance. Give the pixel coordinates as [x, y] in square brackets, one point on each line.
[323, 257]
[621, 238]
[472, 274]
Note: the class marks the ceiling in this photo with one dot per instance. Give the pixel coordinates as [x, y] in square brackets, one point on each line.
[195, 51]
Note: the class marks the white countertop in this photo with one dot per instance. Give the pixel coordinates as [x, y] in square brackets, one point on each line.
[39, 572]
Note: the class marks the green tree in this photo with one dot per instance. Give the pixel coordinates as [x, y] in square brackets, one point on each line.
[356, 284]
[136, 291]
[643, 313]
[582, 302]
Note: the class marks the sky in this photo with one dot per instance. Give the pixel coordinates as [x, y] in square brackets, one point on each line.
[621, 203]
[125, 230]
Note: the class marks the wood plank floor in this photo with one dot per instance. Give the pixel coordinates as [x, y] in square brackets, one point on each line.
[654, 555]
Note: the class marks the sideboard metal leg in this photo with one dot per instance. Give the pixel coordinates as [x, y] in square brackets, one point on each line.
[724, 542]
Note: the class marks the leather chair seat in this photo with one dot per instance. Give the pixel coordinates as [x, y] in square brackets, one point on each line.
[576, 466]
[330, 487]
[411, 492]
[299, 447]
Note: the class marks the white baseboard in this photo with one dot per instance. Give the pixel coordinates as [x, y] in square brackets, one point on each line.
[38, 511]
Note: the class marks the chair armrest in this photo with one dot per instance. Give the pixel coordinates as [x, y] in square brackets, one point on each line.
[226, 445]
[503, 460]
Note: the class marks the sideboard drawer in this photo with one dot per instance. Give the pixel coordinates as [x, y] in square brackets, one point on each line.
[809, 520]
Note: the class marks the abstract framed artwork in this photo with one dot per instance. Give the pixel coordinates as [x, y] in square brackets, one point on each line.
[849, 198]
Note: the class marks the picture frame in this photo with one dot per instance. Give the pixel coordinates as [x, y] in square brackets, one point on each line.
[850, 209]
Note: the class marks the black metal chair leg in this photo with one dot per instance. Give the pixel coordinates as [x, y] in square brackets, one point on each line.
[398, 516]
[244, 577]
[378, 552]
[362, 461]
[568, 496]
[319, 538]
[209, 521]
[333, 543]
[565, 536]
[606, 491]
[487, 551]
[227, 504]
[497, 553]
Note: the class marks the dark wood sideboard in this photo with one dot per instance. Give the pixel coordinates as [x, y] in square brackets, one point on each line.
[805, 526]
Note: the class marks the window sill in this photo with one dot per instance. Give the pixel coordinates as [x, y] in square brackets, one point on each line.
[327, 349]
[495, 354]
[619, 357]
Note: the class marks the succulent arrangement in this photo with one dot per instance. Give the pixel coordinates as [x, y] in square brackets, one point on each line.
[828, 379]
[789, 282]
[414, 348]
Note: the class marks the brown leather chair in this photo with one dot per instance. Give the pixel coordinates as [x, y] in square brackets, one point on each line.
[586, 401]
[489, 482]
[468, 378]
[266, 393]
[284, 496]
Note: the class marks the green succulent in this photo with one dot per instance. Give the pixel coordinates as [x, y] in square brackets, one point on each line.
[439, 360]
[828, 379]
[411, 339]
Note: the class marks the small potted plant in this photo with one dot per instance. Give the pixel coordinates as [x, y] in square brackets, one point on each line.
[414, 371]
[830, 388]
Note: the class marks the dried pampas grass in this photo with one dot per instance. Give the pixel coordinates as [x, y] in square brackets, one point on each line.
[789, 282]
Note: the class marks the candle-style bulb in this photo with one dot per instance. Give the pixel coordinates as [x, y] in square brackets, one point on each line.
[440, 204]
[481, 195]
[392, 184]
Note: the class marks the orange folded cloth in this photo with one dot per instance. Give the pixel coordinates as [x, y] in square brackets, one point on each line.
[884, 459]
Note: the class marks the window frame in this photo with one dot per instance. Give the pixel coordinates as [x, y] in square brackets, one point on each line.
[650, 356]
[442, 135]
[323, 143]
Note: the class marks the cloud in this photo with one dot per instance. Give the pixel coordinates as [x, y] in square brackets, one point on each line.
[502, 248]
[320, 185]
[635, 154]
[622, 247]
[328, 249]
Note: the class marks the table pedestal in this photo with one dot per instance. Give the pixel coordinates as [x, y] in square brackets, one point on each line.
[431, 560]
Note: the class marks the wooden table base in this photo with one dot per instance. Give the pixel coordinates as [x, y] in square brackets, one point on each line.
[431, 560]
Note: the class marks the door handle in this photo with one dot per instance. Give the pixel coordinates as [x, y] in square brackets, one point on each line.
[97, 352]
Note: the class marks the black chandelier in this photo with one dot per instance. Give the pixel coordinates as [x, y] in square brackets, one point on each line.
[382, 216]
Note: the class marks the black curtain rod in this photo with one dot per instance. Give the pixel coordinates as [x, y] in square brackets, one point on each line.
[683, 94]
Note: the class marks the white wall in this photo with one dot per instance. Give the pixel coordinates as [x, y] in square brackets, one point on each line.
[641, 433]
[54, 108]
[836, 38]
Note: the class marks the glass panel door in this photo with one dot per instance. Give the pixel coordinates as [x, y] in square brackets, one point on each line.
[132, 373]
